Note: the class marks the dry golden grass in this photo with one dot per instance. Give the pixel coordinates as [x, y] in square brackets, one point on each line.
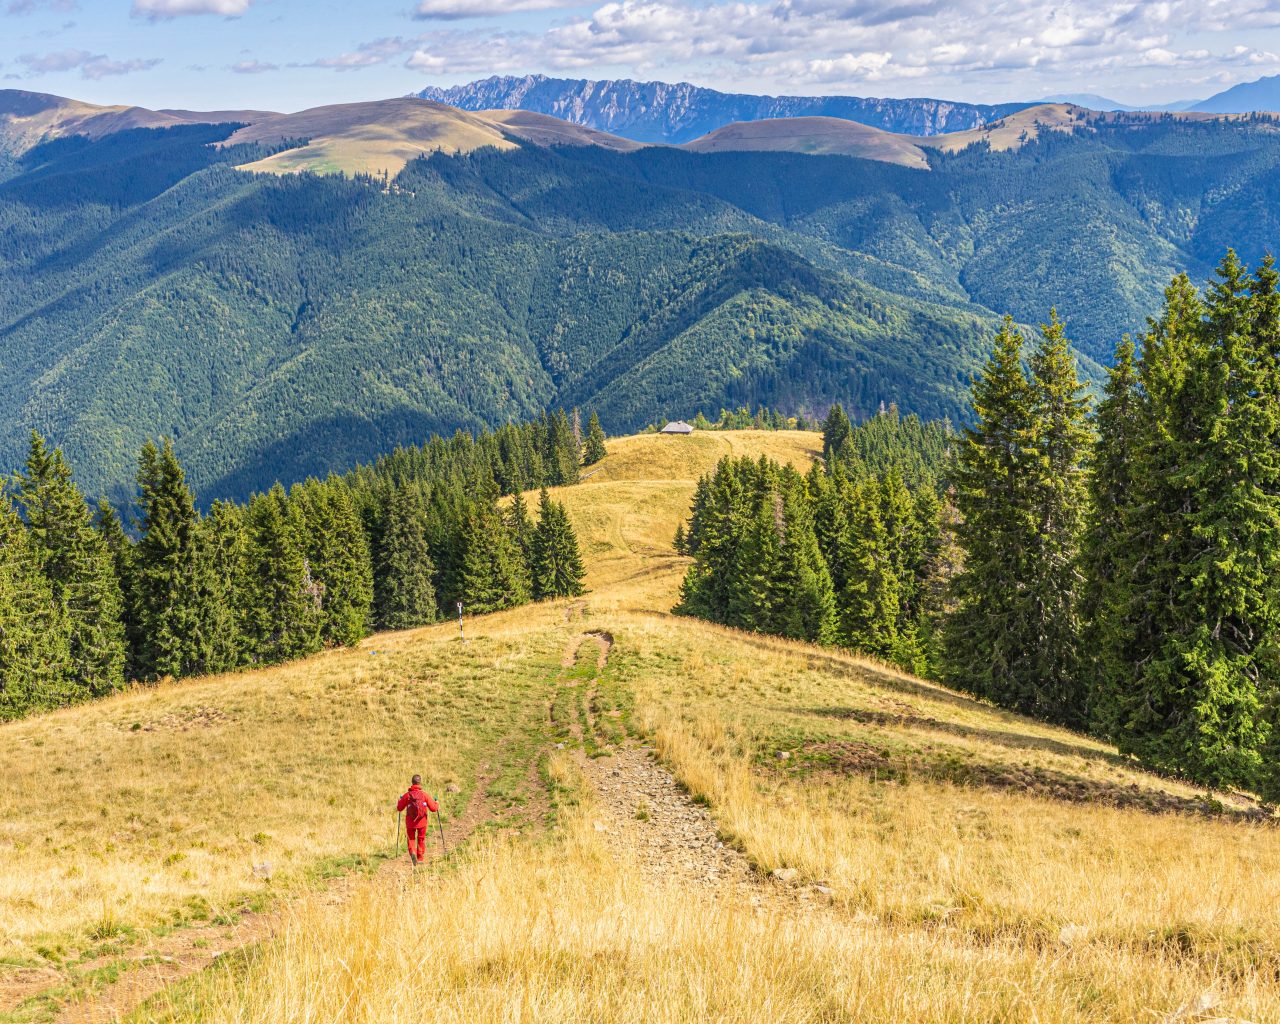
[157, 804]
[1019, 895]
[572, 931]
[814, 135]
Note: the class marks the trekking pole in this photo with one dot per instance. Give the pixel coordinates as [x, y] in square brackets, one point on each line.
[440, 823]
[398, 835]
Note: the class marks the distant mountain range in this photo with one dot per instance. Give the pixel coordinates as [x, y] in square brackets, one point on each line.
[436, 268]
[680, 112]
[675, 113]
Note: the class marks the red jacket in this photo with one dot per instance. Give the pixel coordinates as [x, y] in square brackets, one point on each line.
[416, 818]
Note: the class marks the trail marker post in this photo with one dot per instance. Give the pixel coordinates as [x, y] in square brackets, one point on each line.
[460, 632]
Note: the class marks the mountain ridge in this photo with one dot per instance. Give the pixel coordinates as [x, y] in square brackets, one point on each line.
[681, 112]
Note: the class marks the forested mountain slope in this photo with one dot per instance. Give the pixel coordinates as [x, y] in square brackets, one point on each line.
[281, 325]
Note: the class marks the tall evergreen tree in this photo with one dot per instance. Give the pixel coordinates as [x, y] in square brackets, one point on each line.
[554, 560]
[35, 641]
[165, 605]
[868, 603]
[836, 432]
[595, 449]
[561, 453]
[337, 550]
[1058, 498]
[406, 592]
[282, 597]
[494, 575]
[1014, 479]
[1111, 495]
[1191, 615]
[79, 567]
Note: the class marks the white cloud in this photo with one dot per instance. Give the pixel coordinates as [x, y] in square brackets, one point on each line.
[366, 55]
[253, 67]
[455, 10]
[160, 9]
[1008, 47]
[90, 65]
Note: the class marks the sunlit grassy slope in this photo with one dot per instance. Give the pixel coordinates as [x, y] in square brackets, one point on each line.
[979, 866]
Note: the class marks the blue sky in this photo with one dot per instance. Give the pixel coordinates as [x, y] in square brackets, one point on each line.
[290, 54]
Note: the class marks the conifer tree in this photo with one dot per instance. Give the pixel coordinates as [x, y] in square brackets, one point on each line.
[337, 550]
[220, 588]
[1195, 620]
[679, 543]
[1118, 423]
[868, 603]
[562, 453]
[283, 599]
[803, 599]
[493, 575]
[836, 432]
[406, 592]
[1062, 439]
[165, 606]
[595, 449]
[79, 568]
[35, 643]
[989, 634]
[555, 562]
[755, 566]
[521, 527]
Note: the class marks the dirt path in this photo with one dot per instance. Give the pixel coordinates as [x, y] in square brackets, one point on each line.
[644, 811]
[131, 977]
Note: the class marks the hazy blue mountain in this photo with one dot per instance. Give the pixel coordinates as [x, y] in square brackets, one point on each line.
[1087, 99]
[680, 112]
[1262, 95]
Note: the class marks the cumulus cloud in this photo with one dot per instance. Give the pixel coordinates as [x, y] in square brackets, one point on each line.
[158, 10]
[90, 65]
[788, 45]
[456, 10]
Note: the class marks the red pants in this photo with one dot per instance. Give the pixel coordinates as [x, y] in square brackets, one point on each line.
[418, 835]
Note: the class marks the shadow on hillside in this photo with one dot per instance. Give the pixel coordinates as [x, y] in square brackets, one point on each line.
[850, 757]
[1011, 740]
[330, 445]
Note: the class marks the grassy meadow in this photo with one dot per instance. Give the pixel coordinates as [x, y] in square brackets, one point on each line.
[974, 866]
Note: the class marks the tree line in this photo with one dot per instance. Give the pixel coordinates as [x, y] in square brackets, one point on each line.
[840, 556]
[86, 603]
[1114, 570]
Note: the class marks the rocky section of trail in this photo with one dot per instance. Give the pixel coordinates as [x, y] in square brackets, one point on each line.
[644, 811]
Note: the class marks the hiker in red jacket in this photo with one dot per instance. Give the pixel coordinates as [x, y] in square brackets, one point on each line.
[419, 805]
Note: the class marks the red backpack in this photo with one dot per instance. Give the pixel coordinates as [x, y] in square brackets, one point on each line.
[419, 809]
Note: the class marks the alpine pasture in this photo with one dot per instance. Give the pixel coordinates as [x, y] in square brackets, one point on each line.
[915, 855]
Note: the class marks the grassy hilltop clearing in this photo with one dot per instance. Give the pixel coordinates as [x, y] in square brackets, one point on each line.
[842, 842]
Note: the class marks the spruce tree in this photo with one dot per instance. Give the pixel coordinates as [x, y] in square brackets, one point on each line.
[989, 634]
[1194, 622]
[1112, 492]
[836, 433]
[35, 642]
[165, 605]
[406, 592]
[493, 575]
[79, 567]
[1062, 439]
[282, 598]
[555, 563]
[595, 449]
[337, 550]
[561, 453]
[868, 604]
[803, 599]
